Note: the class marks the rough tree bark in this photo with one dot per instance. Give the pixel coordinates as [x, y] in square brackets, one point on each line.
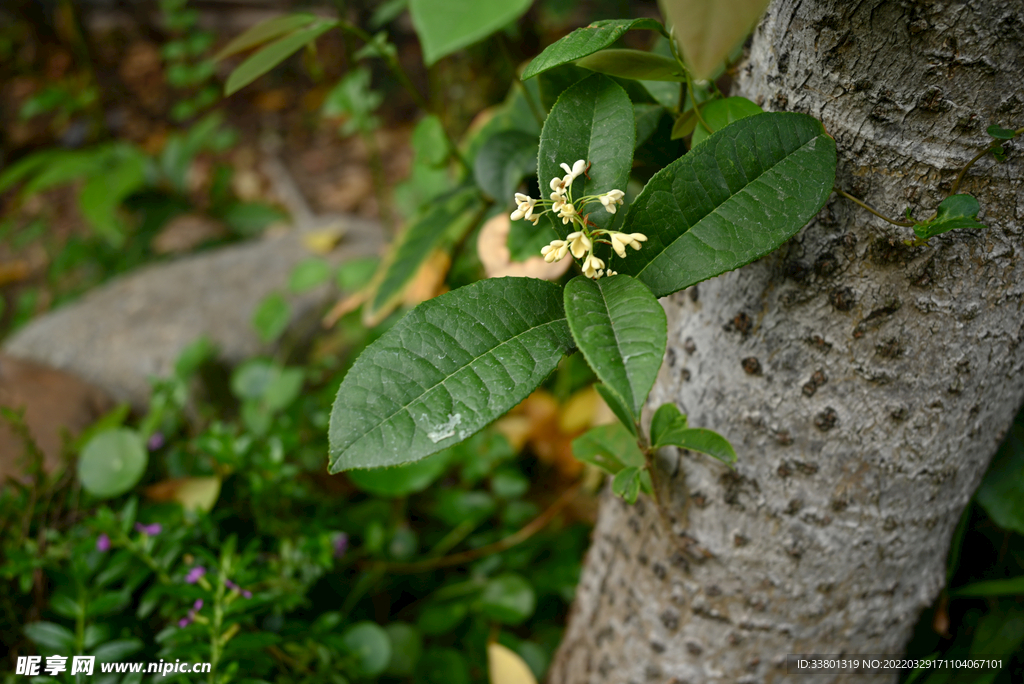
[864, 383]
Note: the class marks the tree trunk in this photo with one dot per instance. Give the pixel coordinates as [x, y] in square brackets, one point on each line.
[865, 384]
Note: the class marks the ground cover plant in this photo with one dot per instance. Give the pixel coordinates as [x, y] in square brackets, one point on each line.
[634, 166]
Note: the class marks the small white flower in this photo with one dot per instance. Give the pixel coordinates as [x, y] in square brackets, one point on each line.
[524, 207]
[636, 239]
[591, 266]
[559, 186]
[610, 273]
[577, 169]
[579, 244]
[559, 202]
[554, 251]
[610, 199]
[619, 242]
[566, 211]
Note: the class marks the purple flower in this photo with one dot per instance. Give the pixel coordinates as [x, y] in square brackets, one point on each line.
[186, 621]
[198, 605]
[231, 585]
[246, 594]
[156, 440]
[151, 530]
[340, 545]
[194, 574]
[103, 543]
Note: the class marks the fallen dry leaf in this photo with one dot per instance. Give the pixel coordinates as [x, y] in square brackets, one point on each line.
[186, 232]
[193, 493]
[505, 666]
[492, 247]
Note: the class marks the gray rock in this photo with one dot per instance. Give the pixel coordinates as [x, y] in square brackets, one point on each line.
[122, 334]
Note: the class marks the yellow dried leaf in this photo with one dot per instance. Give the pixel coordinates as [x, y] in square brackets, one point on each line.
[344, 306]
[492, 248]
[708, 30]
[323, 240]
[506, 667]
[429, 280]
[193, 493]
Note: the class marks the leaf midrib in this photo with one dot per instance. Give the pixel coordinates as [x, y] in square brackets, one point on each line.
[727, 200]
[618, 348]
[443, 381]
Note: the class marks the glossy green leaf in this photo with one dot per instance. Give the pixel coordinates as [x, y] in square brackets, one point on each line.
[112, 463]
[369, 647]
[956, 211]
[708, 30]
[51, 636]
[666, 419]
[402, 480]
[1013, 586]
[1001, 493]
[503, 162]
[614, 402]
[273, 54]
[731, 200]
[685, 124]
[592, 120]
[622, 331]
[609, 447]
[450, 367]
[508, 599]
[586, 41]
[1001, 133]
[446, 221]
[702, 440]
[265, 31]
[626, 484]
[720, 113]
[633, 64]
[445, 26]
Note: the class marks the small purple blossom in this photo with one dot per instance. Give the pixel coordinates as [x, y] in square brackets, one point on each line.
[103, 543]
[231, 585]
[156, 440]
[151, 530]
[194, 574]
[340, 545]
[186, 621]
[198, 605]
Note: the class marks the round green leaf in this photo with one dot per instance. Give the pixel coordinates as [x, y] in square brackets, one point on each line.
[622, 331]
[112, 463]
[731, 200]
[1001, 133]
[370, 645]
[508, 598]
[406, 649]
[403, 480]
[442, 618]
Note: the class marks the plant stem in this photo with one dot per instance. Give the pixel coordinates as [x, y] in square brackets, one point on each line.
[696, 108]
[862, 204]
[218, 616]
[531, 528]
[991, 146]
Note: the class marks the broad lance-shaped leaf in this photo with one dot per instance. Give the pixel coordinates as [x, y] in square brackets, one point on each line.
[444, 26]
[450, 367]
[273, 54]
[956, 211]
[668, 428]
[586, 41]
[447, 220]
[734, 198]
[633, 64]
[503, 162]
[621, 330]
[265, 31]
[707, 30]
[592, 120]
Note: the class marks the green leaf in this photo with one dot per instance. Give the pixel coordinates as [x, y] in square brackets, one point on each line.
[51, 636]
[112, 463]
[621, 330]
[614, 402]
[265, 31]
[65, 606]
[720, 113]
[441, 618]
[956, 211]
[503, 162]
[635, 64]
[1013, 586]
[115, 651]
[700, 439]
[271, 317]
[250, 218]
[1000, 133]
[354, 275]
[708, 30]
[445, 222]
[609, 447]
[450, 367]
[665, 420]
[1001, 493]
[1000, 630]
[592, 120]
[406, 649]
[101, 197]
[309, 273]
[369, 644]
[445, 26]
[685, 124]
[270, 56]
[429, 141]
[586, 41]
[508, 599]
[442, 666]
[626, 484]
[403, 480]
[729, 201]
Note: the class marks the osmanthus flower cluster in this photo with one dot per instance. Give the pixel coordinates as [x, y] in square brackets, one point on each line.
[579, 243]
